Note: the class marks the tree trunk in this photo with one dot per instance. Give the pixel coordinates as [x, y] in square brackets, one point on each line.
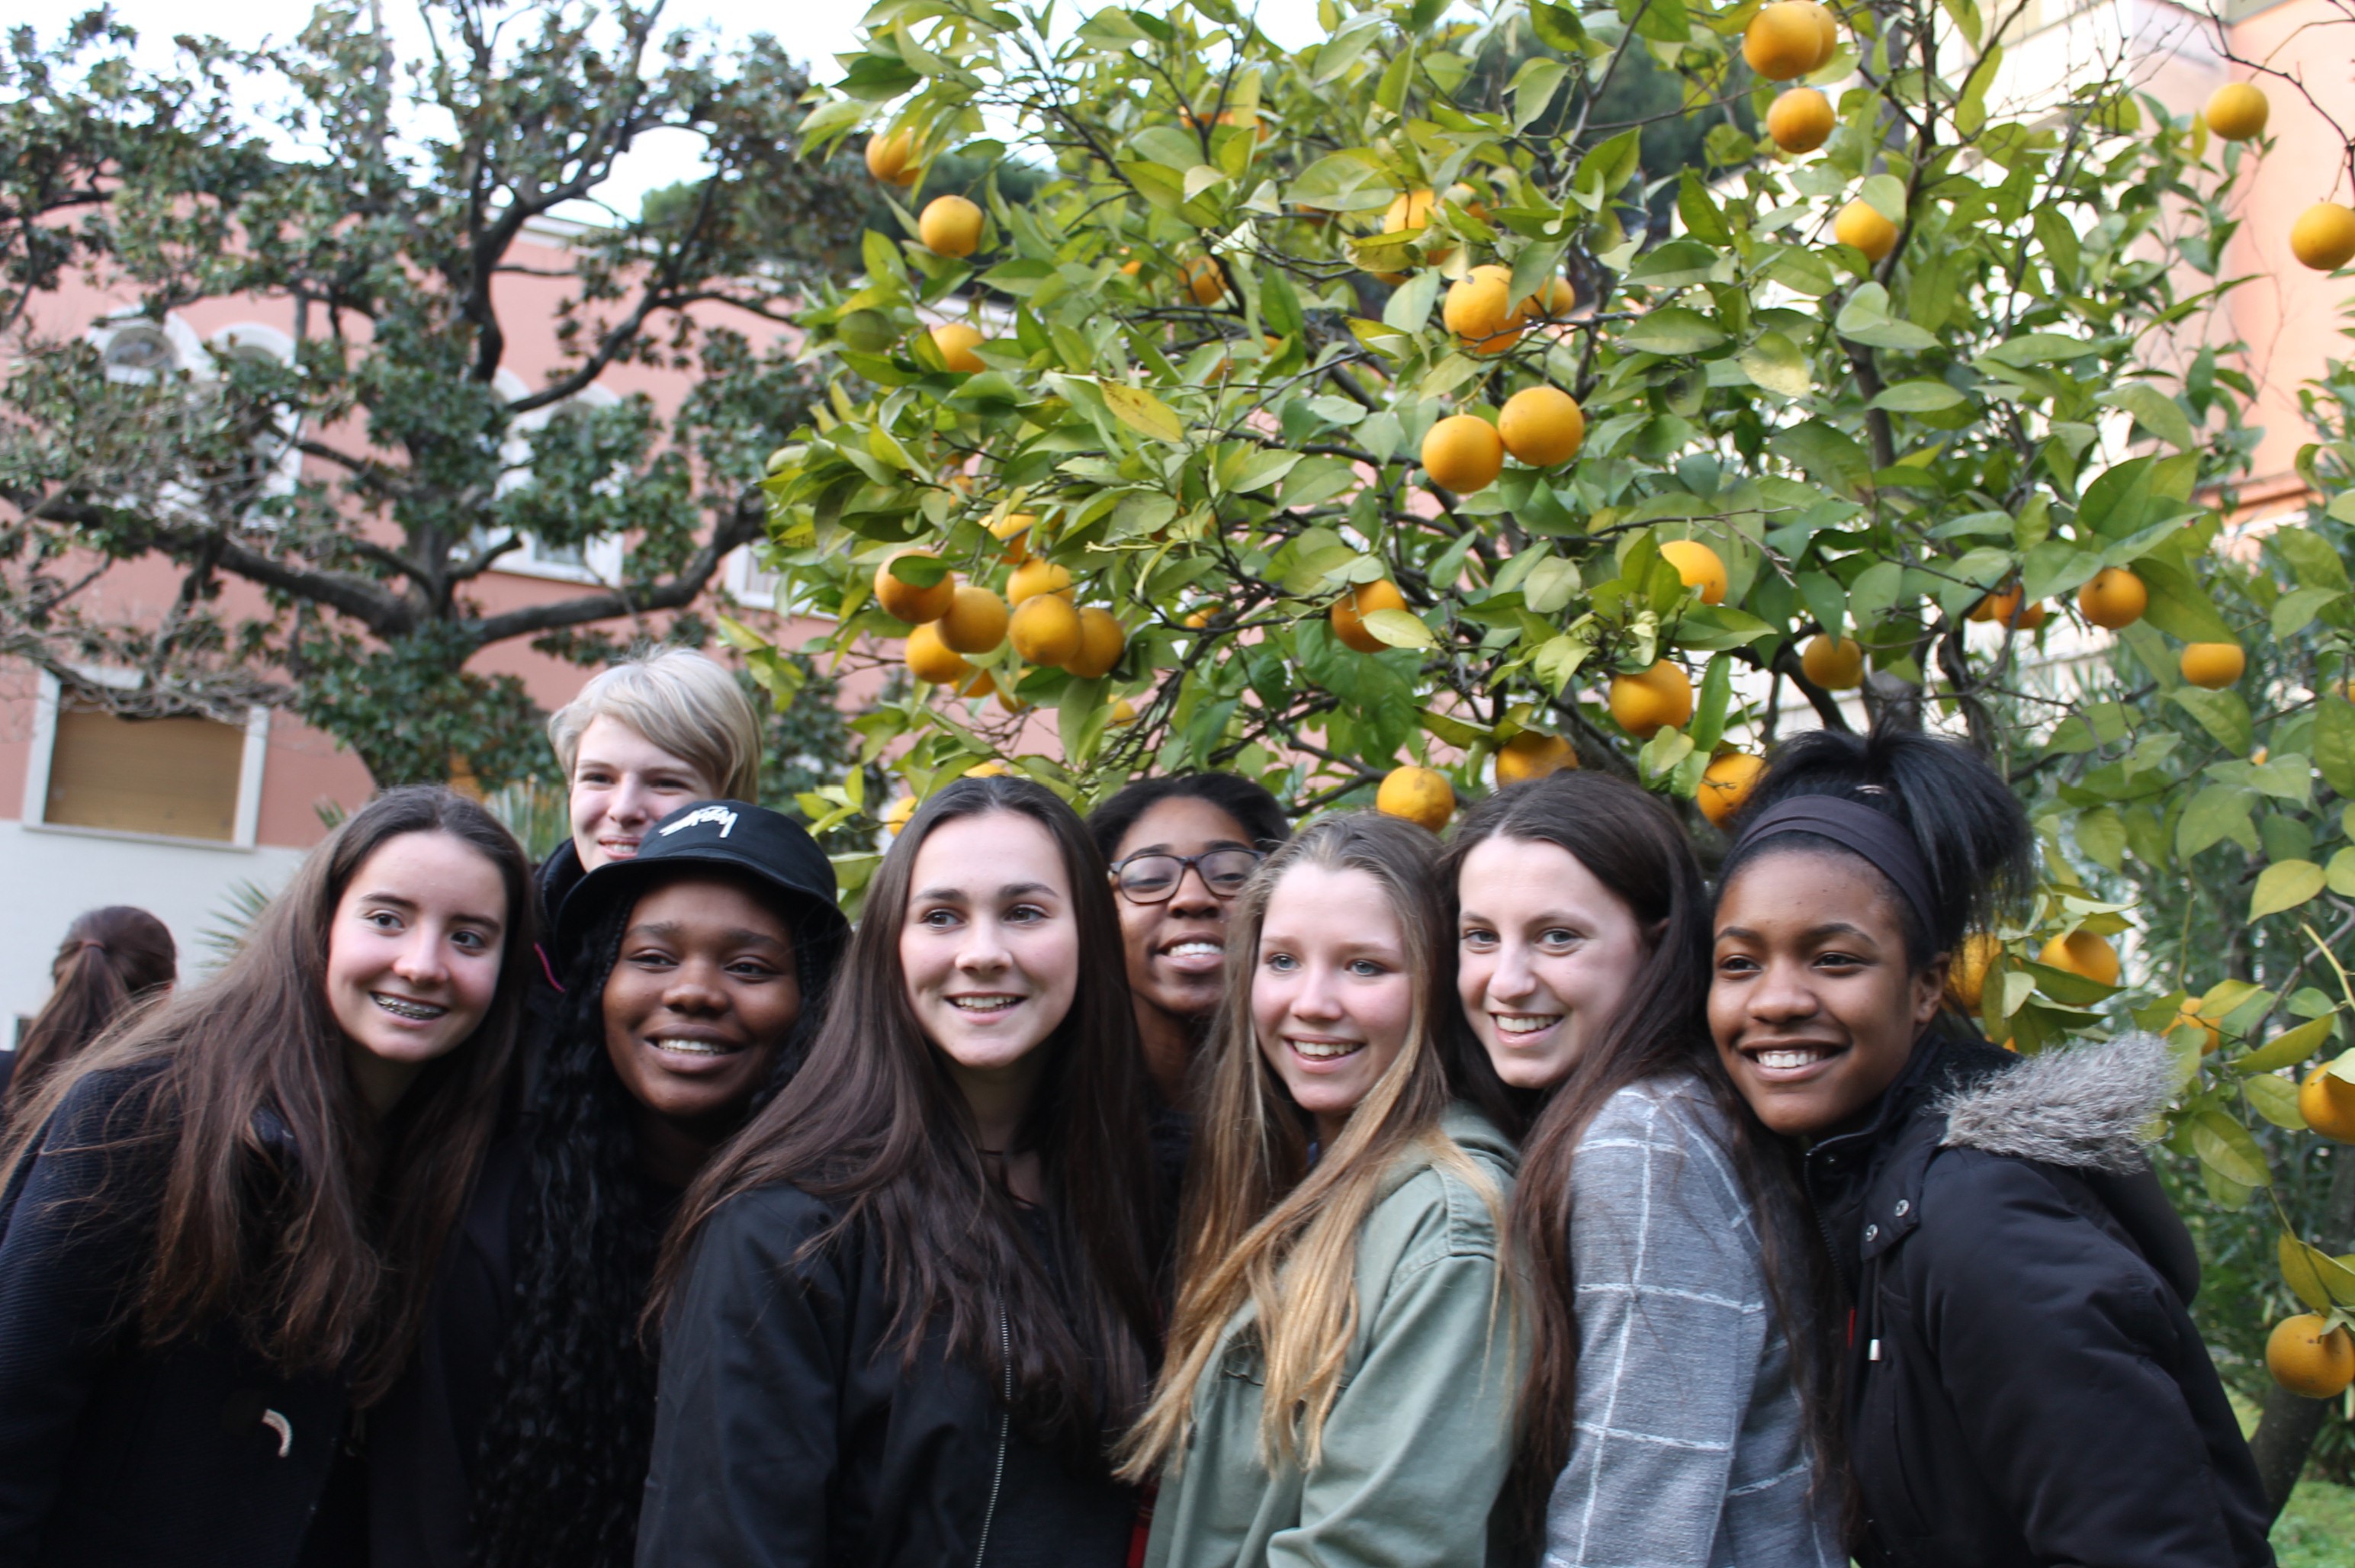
[2287, 1427]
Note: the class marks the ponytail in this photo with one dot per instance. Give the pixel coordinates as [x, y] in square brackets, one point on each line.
[110, 959]
[1977, 850]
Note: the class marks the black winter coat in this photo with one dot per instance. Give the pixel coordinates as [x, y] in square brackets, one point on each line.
[2025, 1386]
[788, 1435]
[112, 1455]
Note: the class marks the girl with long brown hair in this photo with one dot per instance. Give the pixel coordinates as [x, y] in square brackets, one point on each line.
[1658, 1226]
[112, 960]
[221, 1227]
[905, 1311]
[1342, 1362]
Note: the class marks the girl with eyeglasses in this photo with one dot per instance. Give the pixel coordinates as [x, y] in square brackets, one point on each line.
[1181, 849]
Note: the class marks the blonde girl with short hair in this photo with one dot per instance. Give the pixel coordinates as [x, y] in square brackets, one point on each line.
[644, 738]
[1342, 1362]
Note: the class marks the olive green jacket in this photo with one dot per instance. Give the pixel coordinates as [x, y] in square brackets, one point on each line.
[1420, 1438]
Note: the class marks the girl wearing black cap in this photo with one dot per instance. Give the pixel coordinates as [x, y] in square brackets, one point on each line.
[702, 964]
[2021, 1380]
[906, 1312]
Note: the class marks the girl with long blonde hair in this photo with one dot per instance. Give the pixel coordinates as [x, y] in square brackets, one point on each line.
[1343, 1357]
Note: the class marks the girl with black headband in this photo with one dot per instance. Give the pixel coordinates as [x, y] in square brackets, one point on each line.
[2021, 1381]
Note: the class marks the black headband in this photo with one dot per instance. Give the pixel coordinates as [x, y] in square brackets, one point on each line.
[1879, 838]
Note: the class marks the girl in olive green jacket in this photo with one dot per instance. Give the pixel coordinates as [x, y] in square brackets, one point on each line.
[1340, 1374]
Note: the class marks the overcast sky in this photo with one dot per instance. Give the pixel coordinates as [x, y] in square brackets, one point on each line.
[814, 29]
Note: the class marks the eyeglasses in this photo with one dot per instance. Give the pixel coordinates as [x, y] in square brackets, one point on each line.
[1153, 879]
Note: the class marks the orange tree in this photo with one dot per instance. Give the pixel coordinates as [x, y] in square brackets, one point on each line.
[1347, 410]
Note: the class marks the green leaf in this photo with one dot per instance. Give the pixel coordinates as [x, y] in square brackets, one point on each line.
[2287, 1049]
[2334, 743]
[1142, 411]
[2275, 1099]
[2339, 875]
[2041, 348]
[2297, 609]
[2154, 411]
[1678, 262]
[2179, 605]
[1917, 396]
[1777, 364]
[1533, 88]
[1865, 318]
[2227, 1148]
[1885, 194]
[1408, 306]
[2301, 1270]
[1672, 329]
[2222, 713]
[1399, 629]
[2284, 885]
[2217, 813]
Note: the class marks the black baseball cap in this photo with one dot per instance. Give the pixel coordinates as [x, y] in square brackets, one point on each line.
[769, 847]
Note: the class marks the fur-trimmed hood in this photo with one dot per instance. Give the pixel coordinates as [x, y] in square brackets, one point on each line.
[2089, 1106]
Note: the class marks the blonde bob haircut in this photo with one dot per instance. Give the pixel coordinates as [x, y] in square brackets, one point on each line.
[1261, 1228]
[678, 700]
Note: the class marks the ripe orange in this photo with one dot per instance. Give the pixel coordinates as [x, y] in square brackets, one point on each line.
[1967, 974]
[2324, 237]
[1541, 426]
[2307, 1357]
[976, 621]
[903, 601]
[1046, 629]
[1204, 281]
[1419, 795]
[889, 158]
[2213, 664]
[950, 226]
[1462, 452]
[1860, 225]
[1532, 754]
[1102, 642]
[1800, 120]
[1999, 607]
[992, 769]
[2236, 111]
[2082, 954]
[1350, 611]
[1123, 713]
[1555, 302]
[1013, 529]
[1035, 577]
[1834, 664]
[2114, 597]
[2327, 1104]
[1782, 40]
[1725, 785]
[934, 661]
[1410, 210]
[2187, 1016]
[1827, 29]
[1480, 310]
[1700, 566]
[956, 342]
[1652, 700]
[896, 815]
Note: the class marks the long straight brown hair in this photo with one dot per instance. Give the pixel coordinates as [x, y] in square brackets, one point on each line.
[1263, 1229]
[874, 1124]
[323, 1258]
[1636, 850]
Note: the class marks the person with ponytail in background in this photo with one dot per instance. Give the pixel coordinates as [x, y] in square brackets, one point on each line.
[1668, 1415]
[221, 1227]
[905, 1312]
[2024, 1385]
[1344, 1355]
[701, 967]
[112, 959]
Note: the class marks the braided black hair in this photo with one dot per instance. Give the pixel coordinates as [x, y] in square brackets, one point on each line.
[1971, 831]
[563, 1464]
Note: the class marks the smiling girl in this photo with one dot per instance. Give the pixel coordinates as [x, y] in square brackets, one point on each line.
[521, 1436]
[2023, 1381]
[221, 1227]
[1340, 1378]
[1661, 1421]
[905, 1310]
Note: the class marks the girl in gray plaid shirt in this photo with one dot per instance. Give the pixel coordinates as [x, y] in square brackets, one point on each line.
[1670, 1418]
